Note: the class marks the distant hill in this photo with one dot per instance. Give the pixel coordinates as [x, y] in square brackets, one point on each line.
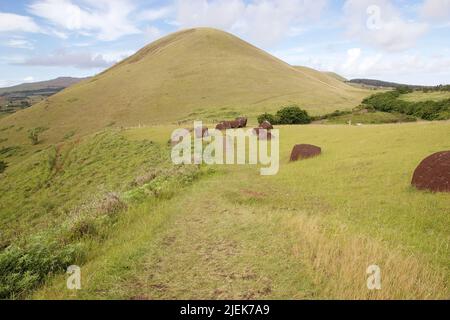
[22, 96]
[383, 84]
[58, 83]
[193, 74]
[336, 76]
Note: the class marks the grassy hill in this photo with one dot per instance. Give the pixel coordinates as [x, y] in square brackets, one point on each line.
[336, 76]
[197, 73]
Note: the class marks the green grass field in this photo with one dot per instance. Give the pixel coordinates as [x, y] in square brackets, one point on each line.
[418, 96]
[370, 118]
[309, 232]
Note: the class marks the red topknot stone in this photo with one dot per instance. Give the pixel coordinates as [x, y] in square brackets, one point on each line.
[262, 134]
[224, 125]
[242, 122]
[304, 151]
[266, 125]
[433, 173]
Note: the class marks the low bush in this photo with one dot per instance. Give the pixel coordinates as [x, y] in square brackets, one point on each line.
[268, 117]
[287, 115]
[3, 166]
[23, 268]
[293, 115]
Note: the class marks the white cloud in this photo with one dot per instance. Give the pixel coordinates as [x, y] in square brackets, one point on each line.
[379, 23]
[19, 44]
[28, 79]
[436, 9]
[262, 21]
[80, 60]
[359, 63]
[114, 57]
[155, 14]
[63, 58]
[107, 20]
[12, 22]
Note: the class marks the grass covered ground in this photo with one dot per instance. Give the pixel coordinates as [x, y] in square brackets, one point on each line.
[370, 118]
[66, 198]
[420, 96]
[309, 232]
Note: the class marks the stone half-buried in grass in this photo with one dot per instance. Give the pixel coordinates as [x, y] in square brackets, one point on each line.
[262, 134]
[304, 151]
[433, 173]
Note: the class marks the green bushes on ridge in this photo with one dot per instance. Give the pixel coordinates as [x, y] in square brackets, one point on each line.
[287, 115]
[391, 102]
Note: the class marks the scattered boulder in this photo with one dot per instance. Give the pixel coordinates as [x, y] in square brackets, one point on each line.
[305, 151]
[433, 173]
[242, 122]
[224, 125]
[262, 134]
[234, 124]
[266, 125]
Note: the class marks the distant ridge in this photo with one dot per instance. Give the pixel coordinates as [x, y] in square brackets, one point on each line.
[384, 84]
[61, 82]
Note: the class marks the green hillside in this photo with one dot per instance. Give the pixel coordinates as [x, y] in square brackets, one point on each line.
[307, 233]
[336, 76]
[178, 76]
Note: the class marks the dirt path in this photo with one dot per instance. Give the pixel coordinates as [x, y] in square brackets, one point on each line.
[221, 247]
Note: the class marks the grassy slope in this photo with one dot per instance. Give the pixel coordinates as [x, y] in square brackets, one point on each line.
[178, 75]
[336, 76]
[418, 96]
[57, 203]
[370, 118]
[41, 191]
[309, 232]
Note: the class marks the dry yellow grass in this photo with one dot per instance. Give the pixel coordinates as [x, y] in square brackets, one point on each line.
[338, 262]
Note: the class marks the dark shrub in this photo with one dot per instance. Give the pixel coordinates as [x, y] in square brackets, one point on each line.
[3, 166]
[293, 115]
[268, 117]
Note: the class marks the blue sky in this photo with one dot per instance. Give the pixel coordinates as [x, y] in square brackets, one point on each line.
[398, 40]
